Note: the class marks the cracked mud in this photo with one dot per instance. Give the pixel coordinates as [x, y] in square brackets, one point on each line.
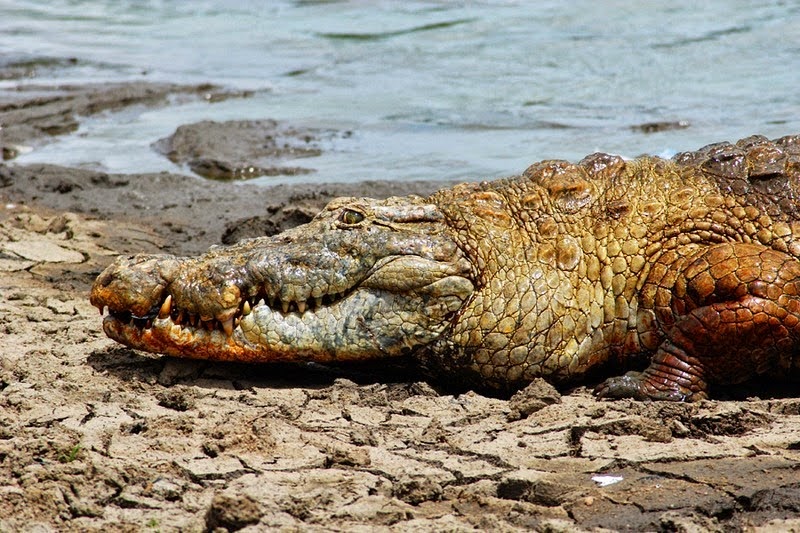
[95, 436]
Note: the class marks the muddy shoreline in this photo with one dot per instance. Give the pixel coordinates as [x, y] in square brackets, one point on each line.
[98, 437]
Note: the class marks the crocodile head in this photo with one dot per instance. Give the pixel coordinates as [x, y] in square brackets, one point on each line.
[364, 279]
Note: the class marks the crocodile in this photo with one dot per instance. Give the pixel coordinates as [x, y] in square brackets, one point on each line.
[679, 274]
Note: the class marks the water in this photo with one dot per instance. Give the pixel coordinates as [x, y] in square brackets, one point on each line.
[431, 90]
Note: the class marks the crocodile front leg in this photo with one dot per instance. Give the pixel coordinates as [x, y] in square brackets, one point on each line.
[729, 312]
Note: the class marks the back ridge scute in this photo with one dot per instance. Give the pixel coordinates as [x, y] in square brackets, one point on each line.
[567, 184]
[759, 172]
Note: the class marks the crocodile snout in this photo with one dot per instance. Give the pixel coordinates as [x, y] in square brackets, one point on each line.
[134, 284]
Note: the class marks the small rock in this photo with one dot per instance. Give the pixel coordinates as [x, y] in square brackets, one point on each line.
[346, 456]
[207, 468]
[167, 489]
[417, 490]
[659, 126]
[177, 398]
[434, 433]
[361, 436]
[536, 396]
[232, 512]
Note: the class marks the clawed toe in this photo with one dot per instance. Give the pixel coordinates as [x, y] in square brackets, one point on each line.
[626, 386]
[636, 386]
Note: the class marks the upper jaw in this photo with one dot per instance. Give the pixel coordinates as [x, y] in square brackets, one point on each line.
[210, 290]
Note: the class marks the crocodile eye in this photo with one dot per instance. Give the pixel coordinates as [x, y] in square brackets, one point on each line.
[351, 217]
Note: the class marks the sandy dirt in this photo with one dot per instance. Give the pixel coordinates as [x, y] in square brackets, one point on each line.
[97, 437]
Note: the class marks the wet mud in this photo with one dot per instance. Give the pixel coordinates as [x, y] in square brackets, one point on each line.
[243, 149]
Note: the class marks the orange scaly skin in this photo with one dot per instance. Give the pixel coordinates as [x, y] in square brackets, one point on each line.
[693, 263]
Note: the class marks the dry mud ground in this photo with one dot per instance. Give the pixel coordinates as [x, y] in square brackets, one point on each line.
[95, 436]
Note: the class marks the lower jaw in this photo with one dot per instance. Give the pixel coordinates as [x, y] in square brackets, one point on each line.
[167, 338]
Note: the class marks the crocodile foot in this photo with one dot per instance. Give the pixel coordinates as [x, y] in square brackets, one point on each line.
[639, 386]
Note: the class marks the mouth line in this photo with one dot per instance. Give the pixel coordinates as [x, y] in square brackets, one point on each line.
[228, 322]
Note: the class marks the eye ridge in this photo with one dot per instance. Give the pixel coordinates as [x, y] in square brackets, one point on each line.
[351, 217]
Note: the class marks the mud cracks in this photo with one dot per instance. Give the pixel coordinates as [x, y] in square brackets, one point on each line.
[95, 436]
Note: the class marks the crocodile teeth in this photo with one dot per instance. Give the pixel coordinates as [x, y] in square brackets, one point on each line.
[166, 307]
[227, 326]
[300, 302]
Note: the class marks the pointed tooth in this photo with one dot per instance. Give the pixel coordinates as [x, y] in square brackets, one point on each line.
[285, 307]
[166, 307]
[318, 302]
[246, 309]
[301, 306]
[227, 326]
[179, 317]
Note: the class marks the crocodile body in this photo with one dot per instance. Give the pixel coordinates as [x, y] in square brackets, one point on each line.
[690, 265]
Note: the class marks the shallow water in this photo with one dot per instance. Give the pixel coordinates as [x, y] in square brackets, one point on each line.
[431, 90]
